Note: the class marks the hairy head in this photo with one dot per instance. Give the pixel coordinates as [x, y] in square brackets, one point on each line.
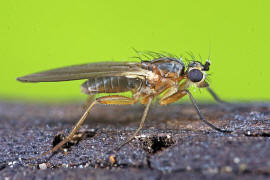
[196, 72]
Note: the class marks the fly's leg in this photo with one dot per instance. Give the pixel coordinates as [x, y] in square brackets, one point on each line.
[102, 100]
[122, 100]
[116, 99]
[88, 101]
[215, 96]
[179, 94]
[140, 126]
[74, 130]
[202, 118]
[171, 96]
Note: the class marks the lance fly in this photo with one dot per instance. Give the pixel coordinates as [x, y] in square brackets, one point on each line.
[147, 79]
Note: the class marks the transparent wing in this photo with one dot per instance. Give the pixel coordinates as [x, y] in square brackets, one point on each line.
[86, 71]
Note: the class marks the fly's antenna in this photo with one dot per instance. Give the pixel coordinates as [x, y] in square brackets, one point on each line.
[207, 63]
[209, 52]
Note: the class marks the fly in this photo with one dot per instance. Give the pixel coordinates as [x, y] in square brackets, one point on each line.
[146, 80]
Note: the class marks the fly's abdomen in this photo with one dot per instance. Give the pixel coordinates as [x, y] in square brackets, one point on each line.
[112, 84]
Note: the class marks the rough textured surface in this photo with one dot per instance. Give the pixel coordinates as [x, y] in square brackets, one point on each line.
[173, 143]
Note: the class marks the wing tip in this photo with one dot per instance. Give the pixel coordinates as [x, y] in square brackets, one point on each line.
[23, 79]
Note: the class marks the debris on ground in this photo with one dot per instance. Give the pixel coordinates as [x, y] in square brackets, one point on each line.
[173, 144]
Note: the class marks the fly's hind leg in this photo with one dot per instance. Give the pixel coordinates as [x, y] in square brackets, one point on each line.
[89, 100]
[115, 99]
[74, 130]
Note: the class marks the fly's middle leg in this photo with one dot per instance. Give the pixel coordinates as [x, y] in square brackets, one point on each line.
[149, 99]
[122, 100]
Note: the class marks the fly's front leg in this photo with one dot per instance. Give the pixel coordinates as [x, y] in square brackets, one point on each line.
[202, 118]
[171, 96]
[179, 94]
[215, 96]
[174, 93]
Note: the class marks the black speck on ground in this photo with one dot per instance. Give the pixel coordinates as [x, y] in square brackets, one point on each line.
[173, 144]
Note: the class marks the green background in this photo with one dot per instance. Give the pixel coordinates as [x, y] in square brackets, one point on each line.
[40, 35]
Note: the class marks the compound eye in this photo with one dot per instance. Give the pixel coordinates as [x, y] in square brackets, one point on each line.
[195, 75]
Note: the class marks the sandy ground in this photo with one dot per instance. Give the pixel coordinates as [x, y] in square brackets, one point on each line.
[173, 144]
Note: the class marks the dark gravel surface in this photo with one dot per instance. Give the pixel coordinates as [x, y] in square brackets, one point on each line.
[174, 144]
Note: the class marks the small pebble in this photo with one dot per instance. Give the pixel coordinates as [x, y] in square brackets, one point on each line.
[65, 165]
[212, 170]
[142, 136]
[112, 159]
[226, 169]
[188, 168]
[236, 160]
[189, 126]
[42, 166]
[242, 167]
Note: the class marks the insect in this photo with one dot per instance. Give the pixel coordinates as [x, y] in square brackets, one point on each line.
[166, 75]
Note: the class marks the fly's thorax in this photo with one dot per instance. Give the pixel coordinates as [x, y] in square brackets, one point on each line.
[166, 67]
[162, 72]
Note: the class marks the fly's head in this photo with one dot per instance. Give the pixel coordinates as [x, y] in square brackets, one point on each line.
[196, 73]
